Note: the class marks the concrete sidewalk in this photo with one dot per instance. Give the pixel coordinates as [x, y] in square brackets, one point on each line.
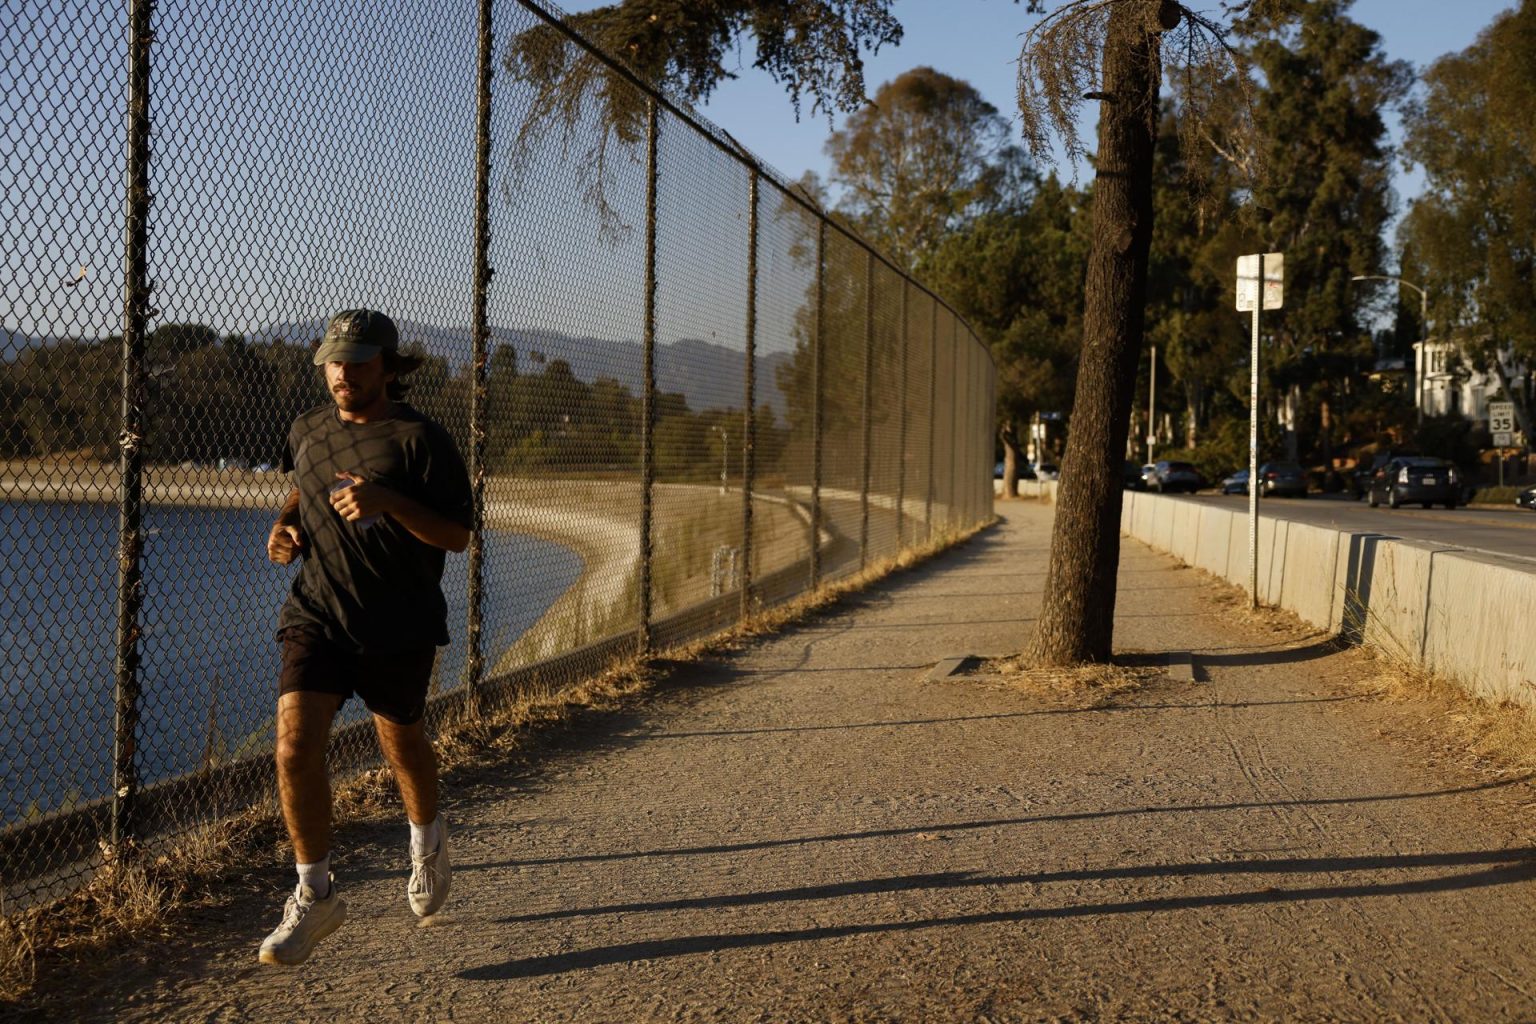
[812, 830]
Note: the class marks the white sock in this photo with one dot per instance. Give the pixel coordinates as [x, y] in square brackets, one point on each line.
[317, 876]
[424, 838]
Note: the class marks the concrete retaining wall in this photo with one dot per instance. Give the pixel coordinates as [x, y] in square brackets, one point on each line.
[1465, 616]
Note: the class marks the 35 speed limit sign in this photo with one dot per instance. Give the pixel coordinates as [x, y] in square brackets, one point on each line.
[1501, 423]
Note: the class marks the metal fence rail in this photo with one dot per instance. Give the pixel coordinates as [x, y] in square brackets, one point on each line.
[682, 390]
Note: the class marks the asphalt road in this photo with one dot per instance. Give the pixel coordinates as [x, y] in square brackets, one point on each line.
[1503, 531]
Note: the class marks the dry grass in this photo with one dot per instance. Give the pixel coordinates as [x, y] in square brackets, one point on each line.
[138, 899]
[18, 962]
[1076, 686]
[1459, 727]
[1493, 738]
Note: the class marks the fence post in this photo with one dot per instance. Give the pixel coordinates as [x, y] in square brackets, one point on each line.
[901, 443]
[474, 664]
[130, 439]
[648, 384]
[954, 417]
[749, 439]
[864, 398]
[818, 371]
[933, 412]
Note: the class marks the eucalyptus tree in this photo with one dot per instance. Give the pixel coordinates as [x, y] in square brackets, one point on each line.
[1112, 52]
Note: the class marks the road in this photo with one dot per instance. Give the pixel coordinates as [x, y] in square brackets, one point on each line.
[1502, 531]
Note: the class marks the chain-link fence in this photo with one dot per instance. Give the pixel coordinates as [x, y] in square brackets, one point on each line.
[682, 391]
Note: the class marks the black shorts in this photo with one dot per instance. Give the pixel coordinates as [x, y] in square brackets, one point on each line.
[393, 686]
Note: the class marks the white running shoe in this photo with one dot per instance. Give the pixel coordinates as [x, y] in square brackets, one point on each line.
[306, 921]
[430, 876]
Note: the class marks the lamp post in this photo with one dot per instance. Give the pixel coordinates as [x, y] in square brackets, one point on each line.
[1423, 332]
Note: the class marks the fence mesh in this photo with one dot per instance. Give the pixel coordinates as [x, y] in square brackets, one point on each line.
[303, 159]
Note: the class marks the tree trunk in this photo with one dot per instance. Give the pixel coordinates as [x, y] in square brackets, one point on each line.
[1010, 438]
[1077, 617]
[1194, 398]
[1512, 395]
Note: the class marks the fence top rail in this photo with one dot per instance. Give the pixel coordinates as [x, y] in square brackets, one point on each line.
[551, 14]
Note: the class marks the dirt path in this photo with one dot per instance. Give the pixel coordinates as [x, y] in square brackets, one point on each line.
[811, 830]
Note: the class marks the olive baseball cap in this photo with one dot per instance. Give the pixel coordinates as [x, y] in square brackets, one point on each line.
[356, 336]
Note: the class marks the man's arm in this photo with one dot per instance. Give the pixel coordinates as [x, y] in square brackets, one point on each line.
[285, 542]
[363, 499]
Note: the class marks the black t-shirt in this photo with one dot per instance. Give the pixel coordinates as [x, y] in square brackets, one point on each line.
[374, 588]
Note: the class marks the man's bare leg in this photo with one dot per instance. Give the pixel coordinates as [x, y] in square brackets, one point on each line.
[315, 909]
[410, 754]
[303, 730]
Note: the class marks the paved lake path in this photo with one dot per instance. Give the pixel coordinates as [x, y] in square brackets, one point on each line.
[811, 829]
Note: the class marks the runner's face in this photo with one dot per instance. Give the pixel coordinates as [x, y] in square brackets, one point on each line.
[358, 387]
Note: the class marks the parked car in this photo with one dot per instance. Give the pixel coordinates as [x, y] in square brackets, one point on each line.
[1146, 474]
[1527, 498]
[1416, 478]
[1169, 476]
[1281, 480]
[1237, 483]
[1046, 471]
[1025, 473]
[1133, 478]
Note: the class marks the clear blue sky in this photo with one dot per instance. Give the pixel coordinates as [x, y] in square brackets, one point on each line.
[978, 40]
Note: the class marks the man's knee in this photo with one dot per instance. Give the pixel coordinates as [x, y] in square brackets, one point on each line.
[303, 731]
[300, 754]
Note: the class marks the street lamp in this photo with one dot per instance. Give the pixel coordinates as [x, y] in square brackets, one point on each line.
[1423, 331]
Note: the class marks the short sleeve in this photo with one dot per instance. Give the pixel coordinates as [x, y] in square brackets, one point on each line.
[446, 480]
[290, 461]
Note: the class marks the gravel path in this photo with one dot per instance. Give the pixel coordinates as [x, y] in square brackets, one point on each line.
[812, 830]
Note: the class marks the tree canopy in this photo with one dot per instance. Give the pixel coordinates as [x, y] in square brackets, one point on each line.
[924, 156]
[1471, 237]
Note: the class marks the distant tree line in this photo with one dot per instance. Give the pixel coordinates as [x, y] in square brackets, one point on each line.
[214, 399]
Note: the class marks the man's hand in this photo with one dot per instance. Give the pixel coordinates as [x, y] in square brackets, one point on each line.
[360, 499]
[284, 543]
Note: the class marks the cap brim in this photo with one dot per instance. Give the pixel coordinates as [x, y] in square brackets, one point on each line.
[345, 352]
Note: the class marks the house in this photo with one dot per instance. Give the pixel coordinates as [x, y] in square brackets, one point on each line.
[1449, 384]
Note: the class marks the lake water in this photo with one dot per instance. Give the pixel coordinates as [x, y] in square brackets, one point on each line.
[209, 660]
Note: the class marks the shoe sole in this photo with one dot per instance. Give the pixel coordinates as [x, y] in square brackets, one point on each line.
[271, 956]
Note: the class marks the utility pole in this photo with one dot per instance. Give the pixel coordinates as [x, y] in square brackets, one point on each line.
[1152, 408]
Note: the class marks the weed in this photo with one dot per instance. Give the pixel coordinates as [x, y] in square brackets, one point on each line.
[1076, 686]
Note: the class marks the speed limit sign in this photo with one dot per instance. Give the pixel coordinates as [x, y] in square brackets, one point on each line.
[1501, 423]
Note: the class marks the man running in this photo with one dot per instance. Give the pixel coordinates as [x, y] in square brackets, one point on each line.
[380, 494]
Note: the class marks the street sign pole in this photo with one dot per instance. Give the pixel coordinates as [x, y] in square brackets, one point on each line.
[1253, 448]
[1260, 286]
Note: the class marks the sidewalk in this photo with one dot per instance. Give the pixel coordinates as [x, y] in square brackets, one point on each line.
[812, 830]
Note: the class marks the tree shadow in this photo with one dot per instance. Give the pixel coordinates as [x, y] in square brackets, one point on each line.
[969, 826]
[1498, 867]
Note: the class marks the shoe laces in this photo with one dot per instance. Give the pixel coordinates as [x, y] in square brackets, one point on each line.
[295, 909]
[424, 872]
